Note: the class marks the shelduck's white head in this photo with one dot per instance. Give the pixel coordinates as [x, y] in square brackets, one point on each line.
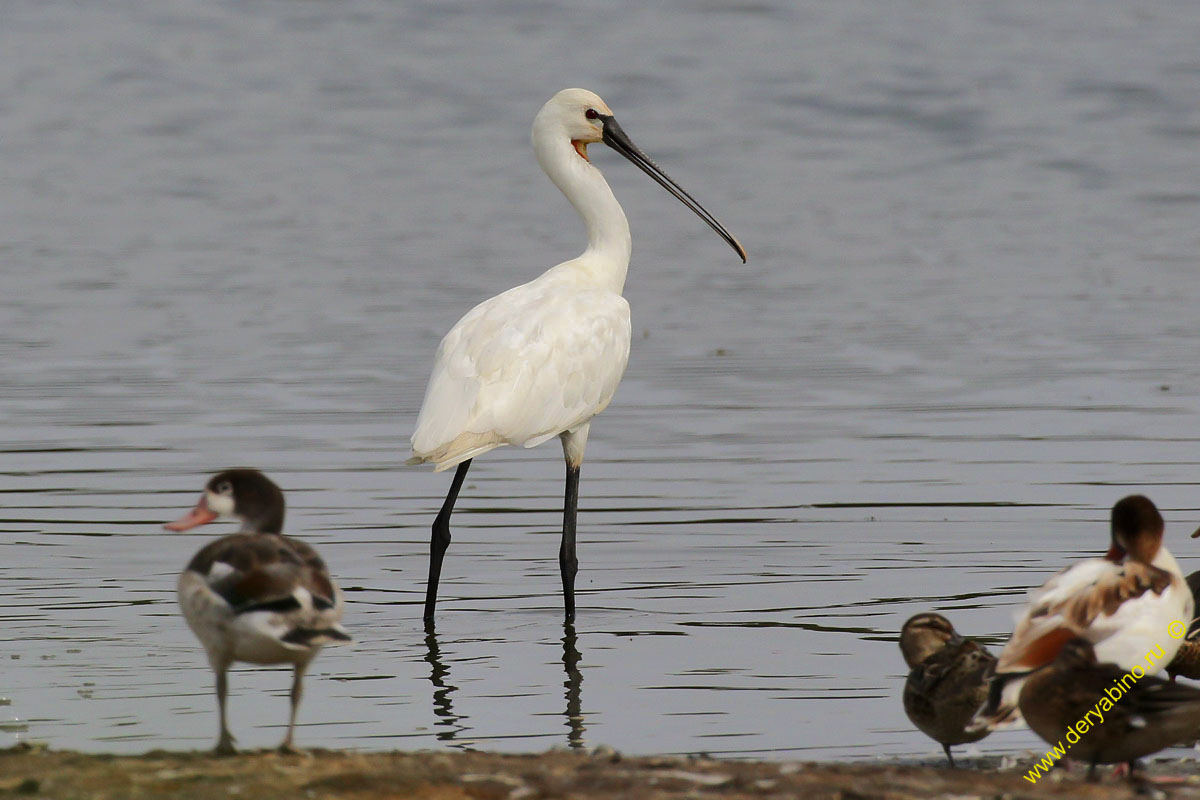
[582, 118]
[1137, 530]
[244, 495]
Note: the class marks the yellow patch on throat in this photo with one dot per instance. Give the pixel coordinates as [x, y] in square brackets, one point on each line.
[581, 148]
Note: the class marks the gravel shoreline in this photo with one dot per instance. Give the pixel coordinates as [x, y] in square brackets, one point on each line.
[32, 771]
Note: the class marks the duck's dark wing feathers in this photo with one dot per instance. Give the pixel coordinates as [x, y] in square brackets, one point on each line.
[967, 662]
[263, 572]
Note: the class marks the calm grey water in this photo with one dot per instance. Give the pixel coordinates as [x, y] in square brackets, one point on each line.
[233, 234]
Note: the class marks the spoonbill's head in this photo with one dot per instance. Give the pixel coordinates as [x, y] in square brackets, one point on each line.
[584, 118]
[579, 115]
[244, 495]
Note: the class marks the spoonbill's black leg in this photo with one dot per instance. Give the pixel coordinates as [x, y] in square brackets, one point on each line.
[568, 564]
[440, 539]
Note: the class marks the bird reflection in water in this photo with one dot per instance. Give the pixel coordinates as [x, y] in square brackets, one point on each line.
[450, 725]
[574, 687]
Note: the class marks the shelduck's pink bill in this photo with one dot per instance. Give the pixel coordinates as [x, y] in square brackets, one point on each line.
[199, 515]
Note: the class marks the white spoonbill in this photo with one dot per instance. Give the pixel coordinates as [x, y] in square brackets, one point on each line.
[543, 358]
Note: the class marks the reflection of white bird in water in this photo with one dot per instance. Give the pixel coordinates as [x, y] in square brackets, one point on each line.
[543, 358]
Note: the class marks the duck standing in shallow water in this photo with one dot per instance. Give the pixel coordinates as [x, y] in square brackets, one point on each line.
[1122, 604]
[947, 679]
[256, 596]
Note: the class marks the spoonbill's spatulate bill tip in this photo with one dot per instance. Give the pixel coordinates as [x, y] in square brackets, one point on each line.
[543, 358]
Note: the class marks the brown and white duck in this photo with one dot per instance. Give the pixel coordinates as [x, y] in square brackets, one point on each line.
[1187, 660]
[1122, 604]
[1147, 715]
[256, 596]
[947, 679]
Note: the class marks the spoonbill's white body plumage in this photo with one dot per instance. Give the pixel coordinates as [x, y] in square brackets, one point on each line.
[533, 363]
[543, 358]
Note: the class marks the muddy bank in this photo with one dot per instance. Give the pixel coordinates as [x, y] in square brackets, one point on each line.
[37, 772]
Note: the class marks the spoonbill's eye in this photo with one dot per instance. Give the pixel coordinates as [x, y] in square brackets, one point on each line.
[592, 113]
[224, 488]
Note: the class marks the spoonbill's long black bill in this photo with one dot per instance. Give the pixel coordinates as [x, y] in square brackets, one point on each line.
[616, 138]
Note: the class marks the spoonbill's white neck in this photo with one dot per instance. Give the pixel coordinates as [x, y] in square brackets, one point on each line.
[609, 243]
